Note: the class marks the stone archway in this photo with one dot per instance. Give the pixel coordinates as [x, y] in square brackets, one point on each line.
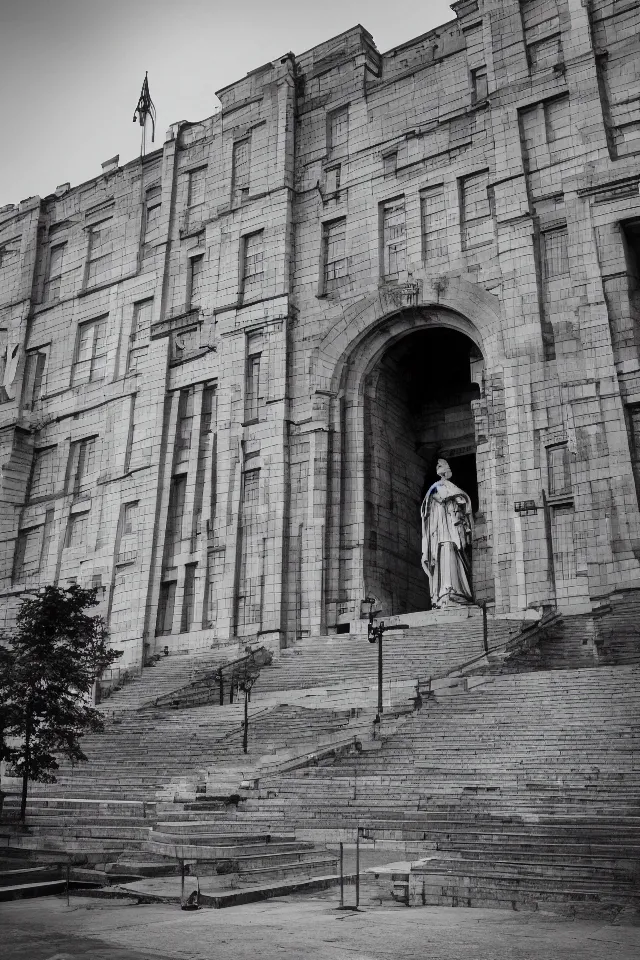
[417, 408]
[345, 541]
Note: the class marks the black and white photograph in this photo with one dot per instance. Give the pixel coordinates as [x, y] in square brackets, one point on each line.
[320, 480]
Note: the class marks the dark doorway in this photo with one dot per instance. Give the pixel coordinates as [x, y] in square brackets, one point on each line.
[418, 409]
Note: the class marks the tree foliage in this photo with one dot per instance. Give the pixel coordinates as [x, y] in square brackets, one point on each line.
[47, 670]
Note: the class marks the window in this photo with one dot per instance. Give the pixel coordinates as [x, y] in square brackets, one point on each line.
[541, 29]
[128, 542]
[120, 614]
[338, 128]
[241, 171]
[390, 164]
[335, 261]
[479, 88]
[252, 397]
[563, 539]
[251, 488]
[164, 623]
[153, 207]
[141, 435]
[77, 529]
[434, 223]
[140, 328]
[177, 495]
[54, 272]
[196, 267]
[26, 560]
[43, 473]
[545, 54]
[557, 119]
[189, 596]
[130, 519]
[215, 569]
[82, 465]
[555, 258]
[332, 180]
[100, 252]
[559, 470]
[253, 271]
[394, 238]
[477, 222]
[185, 425]
[197, 181]
[91, 352]
[33, 376]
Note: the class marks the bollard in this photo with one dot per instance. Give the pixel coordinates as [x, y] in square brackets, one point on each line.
[341, 876]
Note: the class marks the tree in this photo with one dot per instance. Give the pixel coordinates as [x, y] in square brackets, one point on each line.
[54, 656]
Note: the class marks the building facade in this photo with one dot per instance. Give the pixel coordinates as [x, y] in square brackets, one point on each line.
[227, 369]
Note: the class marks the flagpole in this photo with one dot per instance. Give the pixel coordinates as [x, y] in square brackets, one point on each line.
[145, 110]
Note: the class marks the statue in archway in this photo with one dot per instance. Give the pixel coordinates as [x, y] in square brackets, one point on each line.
[446, 540]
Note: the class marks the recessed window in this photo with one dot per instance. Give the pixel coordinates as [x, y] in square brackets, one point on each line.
[241, 171]
[130, 519]
[434, 223]
[91, 352]
[77, 529]
[166, 605]
[189, 596]
[559, 470]
[338, 128]
[101, 250]
[251, 487]
[477, 220]
[390, 164]
[139, 336]
[555, 256]
[54, 272]
[82, 466]
[43, 473]
[153, 209]
[479, 89]
[335, 272]
[394, 238]
[196, 270]
[332, 180]
[26, 560]
[253, 271]
[33, 377]
[252, 395]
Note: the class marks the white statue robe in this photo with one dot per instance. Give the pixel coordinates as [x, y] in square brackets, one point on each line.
[446, 537]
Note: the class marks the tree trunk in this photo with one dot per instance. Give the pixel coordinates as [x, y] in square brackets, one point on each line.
[25, 770]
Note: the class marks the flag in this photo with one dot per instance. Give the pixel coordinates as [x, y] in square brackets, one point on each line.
[145, 108]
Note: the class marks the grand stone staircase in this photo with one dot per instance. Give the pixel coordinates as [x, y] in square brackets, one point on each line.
[502, 788]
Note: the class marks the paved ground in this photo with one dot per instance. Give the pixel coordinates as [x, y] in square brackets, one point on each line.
[308, 928]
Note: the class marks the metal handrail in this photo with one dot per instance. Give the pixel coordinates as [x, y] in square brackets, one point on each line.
[525, 631]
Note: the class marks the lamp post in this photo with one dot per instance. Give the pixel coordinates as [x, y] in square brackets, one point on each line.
[375, 633]
[245, 685]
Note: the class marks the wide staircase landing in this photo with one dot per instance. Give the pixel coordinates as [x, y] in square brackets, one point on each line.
[520, 789]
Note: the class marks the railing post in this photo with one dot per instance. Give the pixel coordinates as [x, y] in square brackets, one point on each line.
[485, 626]
[246, 721]
[341, 875]
[358, 868]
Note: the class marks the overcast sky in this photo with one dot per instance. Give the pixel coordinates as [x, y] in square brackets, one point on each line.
[71, 70]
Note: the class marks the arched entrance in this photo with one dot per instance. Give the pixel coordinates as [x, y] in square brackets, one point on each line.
[417, 409]
[404, 392]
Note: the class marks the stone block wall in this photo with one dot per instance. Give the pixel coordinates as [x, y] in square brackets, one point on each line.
[194, 347]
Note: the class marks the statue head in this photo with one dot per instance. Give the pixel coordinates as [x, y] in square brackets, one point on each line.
[443, 469]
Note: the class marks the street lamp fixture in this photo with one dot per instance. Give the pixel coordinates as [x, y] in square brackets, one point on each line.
[245, 685]
[375, 633]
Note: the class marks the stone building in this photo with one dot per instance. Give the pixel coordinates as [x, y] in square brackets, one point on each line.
[227, 368]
